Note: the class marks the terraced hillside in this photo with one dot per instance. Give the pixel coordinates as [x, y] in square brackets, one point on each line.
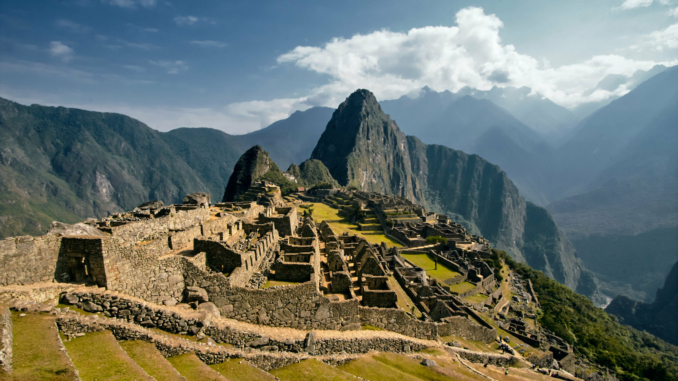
[45, 348]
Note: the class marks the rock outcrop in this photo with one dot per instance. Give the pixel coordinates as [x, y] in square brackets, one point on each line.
[362, 146]
[658, 318]
[253, 164]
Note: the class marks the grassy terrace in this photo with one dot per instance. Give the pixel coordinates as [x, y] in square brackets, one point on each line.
[391, 366]
[190, 366]
[37, 354]
[240, 370]
[323, 212]
[404, 301]
[477, 298]
[147, 356]
[426, 262]
[97, 356]
[273, 283]
[311, 370]
[462, 287]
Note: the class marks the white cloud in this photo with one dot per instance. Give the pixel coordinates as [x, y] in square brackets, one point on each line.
[138, 69]
[259, 114]
[47, 71]
[131, 4]
[172, 67]
[665, 38]
[631, 4]
[186, 20]
[392, 64]
[73, 27]
[674, 12]
[61, 51]
[210, 44]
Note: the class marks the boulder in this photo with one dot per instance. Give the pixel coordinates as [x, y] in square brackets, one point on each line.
[260, 342]
[69, 298]
[199, 198]
[78, 229]
[155, 204]
[170, 302]
[309, 342]
[196, 294]
[91, 307]
[210, 309]
[428, 362]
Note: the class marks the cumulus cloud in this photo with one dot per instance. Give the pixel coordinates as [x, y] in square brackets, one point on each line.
[631, 4]
[674, 12]
[665, 38]
[210, 44]
[172, 67]
[471, 53]
[61, 51]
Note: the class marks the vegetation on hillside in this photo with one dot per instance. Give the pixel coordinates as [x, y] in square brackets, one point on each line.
[634, 355]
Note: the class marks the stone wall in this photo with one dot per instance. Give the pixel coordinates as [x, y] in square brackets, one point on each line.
[466, 328]
[26, 260]
[154, 228]
[179, 239]
[285, 223]
[84, 260]
[6, 341]
[398, 321]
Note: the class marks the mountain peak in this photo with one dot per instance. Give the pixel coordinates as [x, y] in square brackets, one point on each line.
[253, 164]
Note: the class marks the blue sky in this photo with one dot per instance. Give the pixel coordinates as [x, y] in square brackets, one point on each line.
[238, 66]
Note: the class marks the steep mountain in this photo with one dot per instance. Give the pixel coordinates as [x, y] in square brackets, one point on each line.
[363, 146]
[68, 164]
[65, 164]
[311, 172]
[411, 112]
[290, 140]
[251, 166]
[632, 203]
[658, 318]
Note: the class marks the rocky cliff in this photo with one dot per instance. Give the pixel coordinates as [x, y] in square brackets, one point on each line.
[363, 146]
[252, 165]
[658, 318]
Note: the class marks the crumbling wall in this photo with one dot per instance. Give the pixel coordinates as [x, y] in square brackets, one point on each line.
[84, 260]
[154, 228]
[26, 260]
[179, 239]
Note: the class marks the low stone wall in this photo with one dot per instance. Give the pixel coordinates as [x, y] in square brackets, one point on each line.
[154, 228]
[6, 340]
[545, 361]
[27, 260]
[502, 361]
[466, 328]
[398, 321]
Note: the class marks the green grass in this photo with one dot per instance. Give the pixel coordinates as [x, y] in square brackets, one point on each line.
[147, 356]
[322, 212]
[97, 356]
[190, 366]
[311, 370]
[477, 298]
[426, 262]
[36, 350]
[273, 283]
[391, 366]
[404, 301]
[240, 370]
[462, 287]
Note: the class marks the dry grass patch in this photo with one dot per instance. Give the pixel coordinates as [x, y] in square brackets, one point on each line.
[190, 366]
[391, 366]
[147, 356]
[311, 370]
[37, 353]
[240, 370]
[97, 356]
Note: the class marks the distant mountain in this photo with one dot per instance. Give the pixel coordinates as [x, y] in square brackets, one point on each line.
[625, 222]
[658, 318]
[251, 166]
[548, 119]
[67, 164]
[362, 146]
[290, 140]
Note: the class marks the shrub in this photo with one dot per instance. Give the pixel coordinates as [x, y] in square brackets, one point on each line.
[433, 239]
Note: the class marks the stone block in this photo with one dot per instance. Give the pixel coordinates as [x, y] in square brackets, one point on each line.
[196, 294]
